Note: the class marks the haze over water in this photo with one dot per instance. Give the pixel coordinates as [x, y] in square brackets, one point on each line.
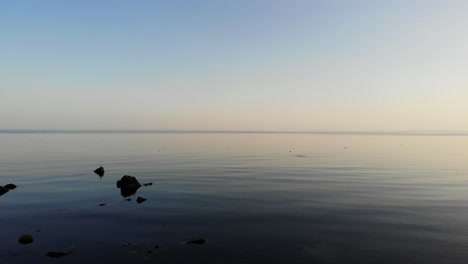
[254, 197]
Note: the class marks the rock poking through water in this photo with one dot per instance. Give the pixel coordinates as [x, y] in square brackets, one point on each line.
[140, 200]
[99, 171]
[26, 239]
[3, 190]
[148, 184]
[200, 241]
[10, 186]
[128, 185]
[57, 254]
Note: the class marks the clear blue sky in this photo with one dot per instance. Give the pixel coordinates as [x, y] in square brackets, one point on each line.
[243, 65]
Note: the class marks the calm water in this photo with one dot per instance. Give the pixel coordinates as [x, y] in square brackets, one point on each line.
[255, 198]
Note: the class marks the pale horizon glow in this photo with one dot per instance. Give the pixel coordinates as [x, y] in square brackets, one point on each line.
[234, 65]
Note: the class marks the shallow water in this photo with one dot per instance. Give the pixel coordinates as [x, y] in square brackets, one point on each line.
[255, 198]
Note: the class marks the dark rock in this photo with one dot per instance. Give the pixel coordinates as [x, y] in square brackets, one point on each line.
[57, 254]
[99, 171]
[148, 184]
[10, 186]
[156, 247]
[103, 204]
[140, 199]
[128, 199]
[196, 241]
[128, 180]
[128, 185]
[3, 190]
[26, 239]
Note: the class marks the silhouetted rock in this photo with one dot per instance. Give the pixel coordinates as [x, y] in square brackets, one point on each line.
[140, 200]
[99, 171]
[200, 241]
[103, 204]
[26, 239]
[128, 185]
[10, 186]
[148, 184]
[3, 190]
[57, 254]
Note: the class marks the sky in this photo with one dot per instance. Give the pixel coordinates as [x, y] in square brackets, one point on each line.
[234, 65]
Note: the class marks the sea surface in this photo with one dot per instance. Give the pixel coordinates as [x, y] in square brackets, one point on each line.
[253, 197]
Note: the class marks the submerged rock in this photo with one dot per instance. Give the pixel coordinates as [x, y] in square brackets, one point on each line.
[10, 186]
[128, 185]
[127, 244]
[140, 200]
[148, 184]
[3, 190]
[99, 171]
[57, 254]
[200, 241]
[26, 239]
[103, 204]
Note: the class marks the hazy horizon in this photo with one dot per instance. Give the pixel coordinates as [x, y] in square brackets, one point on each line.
[234, 65]
[462, 133]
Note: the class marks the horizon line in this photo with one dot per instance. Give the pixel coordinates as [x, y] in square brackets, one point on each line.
[201, 131]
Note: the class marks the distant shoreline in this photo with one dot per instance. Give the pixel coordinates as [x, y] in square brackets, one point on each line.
[370, 133]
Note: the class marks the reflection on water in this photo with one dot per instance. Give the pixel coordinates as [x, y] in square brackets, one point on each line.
[253, 198]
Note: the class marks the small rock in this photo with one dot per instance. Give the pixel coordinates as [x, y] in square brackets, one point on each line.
[38, 230]
[26, 239]
[57, 254]
[103, 204]
[196, 241]
[156, 247]
[3, 190]
[140, 199]
[148, 184]
[128, 199]
[99, 171]
[10, 186]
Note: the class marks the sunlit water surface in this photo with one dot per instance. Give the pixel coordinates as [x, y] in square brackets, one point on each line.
[255, 198]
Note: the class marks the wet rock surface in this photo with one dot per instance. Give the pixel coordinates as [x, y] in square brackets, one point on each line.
[26, 239]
